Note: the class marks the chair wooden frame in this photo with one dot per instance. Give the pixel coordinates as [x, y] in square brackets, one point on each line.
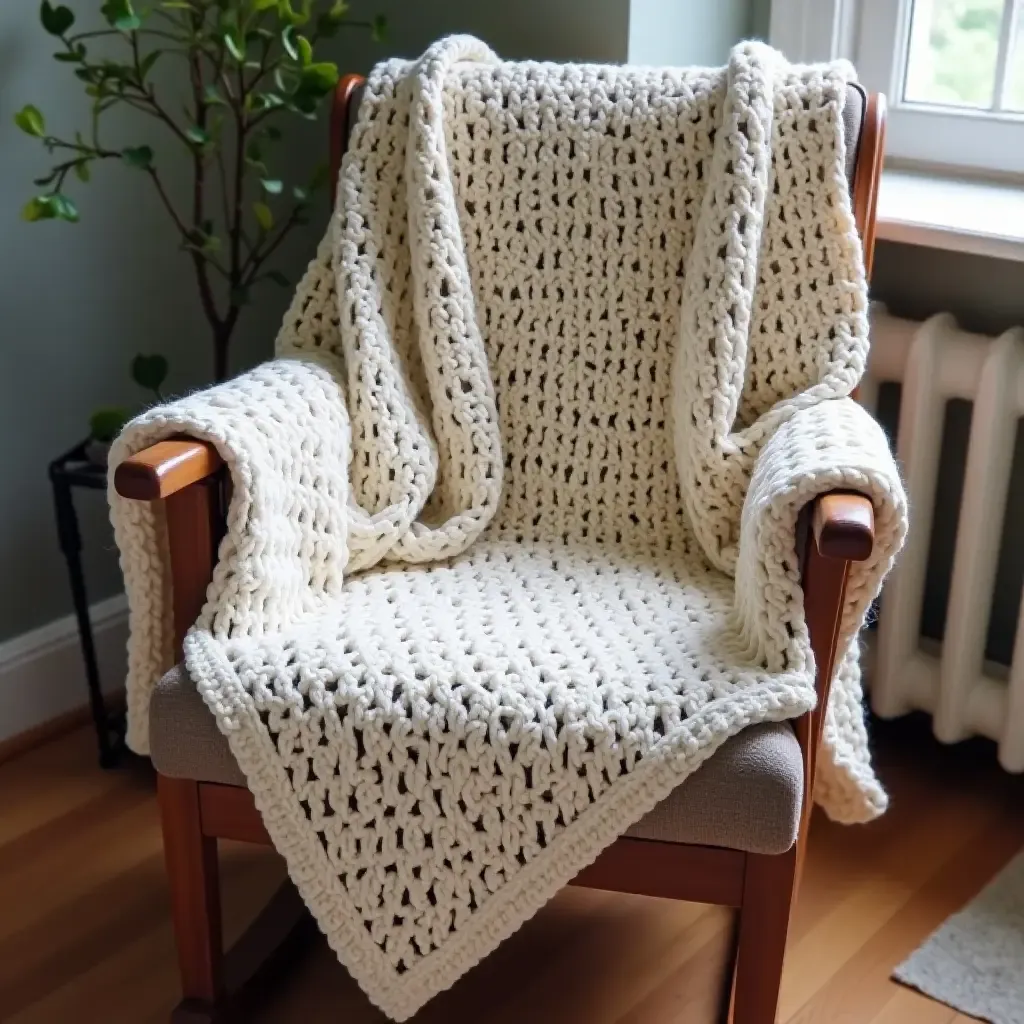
[188, 476]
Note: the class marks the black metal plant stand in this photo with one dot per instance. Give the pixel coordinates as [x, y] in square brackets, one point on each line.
[73, 469]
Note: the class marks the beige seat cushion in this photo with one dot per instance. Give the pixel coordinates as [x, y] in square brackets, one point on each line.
[746, 796]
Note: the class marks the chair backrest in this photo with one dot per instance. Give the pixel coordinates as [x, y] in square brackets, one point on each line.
[863, 124]
[580, 323]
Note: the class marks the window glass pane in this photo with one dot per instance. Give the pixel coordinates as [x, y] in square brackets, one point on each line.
[1013, 99]
[954, 46]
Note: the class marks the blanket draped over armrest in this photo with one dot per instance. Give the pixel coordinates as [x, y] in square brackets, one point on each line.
[511, 543]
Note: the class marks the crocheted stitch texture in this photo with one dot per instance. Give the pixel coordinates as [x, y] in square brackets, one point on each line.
[511, 547]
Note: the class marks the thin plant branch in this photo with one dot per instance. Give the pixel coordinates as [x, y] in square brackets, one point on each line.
[244, 65]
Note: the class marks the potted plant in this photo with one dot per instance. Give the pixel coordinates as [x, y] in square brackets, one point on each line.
[244, 66]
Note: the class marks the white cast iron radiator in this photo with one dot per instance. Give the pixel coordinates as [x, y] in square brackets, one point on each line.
[934, 362]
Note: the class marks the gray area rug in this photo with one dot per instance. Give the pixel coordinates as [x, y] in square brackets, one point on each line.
[975, 961]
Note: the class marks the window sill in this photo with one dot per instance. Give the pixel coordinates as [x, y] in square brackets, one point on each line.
[955, 214]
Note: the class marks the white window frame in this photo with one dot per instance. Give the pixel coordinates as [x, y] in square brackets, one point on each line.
[874, 35]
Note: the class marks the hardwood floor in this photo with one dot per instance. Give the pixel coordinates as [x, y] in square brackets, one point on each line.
[85, 935]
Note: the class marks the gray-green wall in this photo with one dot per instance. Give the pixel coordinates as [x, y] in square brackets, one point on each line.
[760, 16]
[75, 303]
[685, 32]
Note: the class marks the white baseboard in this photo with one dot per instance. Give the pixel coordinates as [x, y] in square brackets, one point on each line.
[42, 675]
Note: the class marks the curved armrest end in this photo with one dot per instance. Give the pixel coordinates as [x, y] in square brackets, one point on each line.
[844, 525]
[165, 468]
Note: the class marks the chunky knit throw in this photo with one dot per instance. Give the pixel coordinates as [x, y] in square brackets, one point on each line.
[511, 545]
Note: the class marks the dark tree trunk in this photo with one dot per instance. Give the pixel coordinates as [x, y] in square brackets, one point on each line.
[221, 346]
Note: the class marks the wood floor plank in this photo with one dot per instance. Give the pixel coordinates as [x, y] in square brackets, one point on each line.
[103, 847]
[51, 781]
[686, 993]
[85, 933]
[905, 1006]
[637, 938]
[861, 987]
[883, 880]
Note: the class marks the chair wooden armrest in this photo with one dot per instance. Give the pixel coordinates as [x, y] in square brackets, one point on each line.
[165, 468]
[841, 531]
[184, 473]
[843, 526]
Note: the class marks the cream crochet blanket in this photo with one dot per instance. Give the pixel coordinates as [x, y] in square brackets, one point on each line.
[511, 547]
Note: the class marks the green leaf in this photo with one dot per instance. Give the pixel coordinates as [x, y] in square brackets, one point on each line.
[147, 62]
[283, 79]
[254, 158]
[379, 28]
[338, 10]
[31, 121]
[305, 49]
[50, 206]
[315, 82]
[278, 278]
[38, 208]
[64, 208]
[263, 5]
[301, 194]
[325, 73]
[82, 171]
[235, 47]
[105, 424]
[56, 20]
[273, 186]
[212, 96]
[197, 135]
[120, 14]
[288, 41]
[203, 240]
[149, 372]
[264, 216]
[265, 101]
[140, 157]
[74, 56]
[286, 11]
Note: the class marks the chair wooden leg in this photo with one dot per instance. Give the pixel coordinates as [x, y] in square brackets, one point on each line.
[195, 902]
[769, 887]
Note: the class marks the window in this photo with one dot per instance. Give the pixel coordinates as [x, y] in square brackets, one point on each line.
[952, 70]
[965, 53]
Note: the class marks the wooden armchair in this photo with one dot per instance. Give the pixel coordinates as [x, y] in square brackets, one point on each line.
[202, 804]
